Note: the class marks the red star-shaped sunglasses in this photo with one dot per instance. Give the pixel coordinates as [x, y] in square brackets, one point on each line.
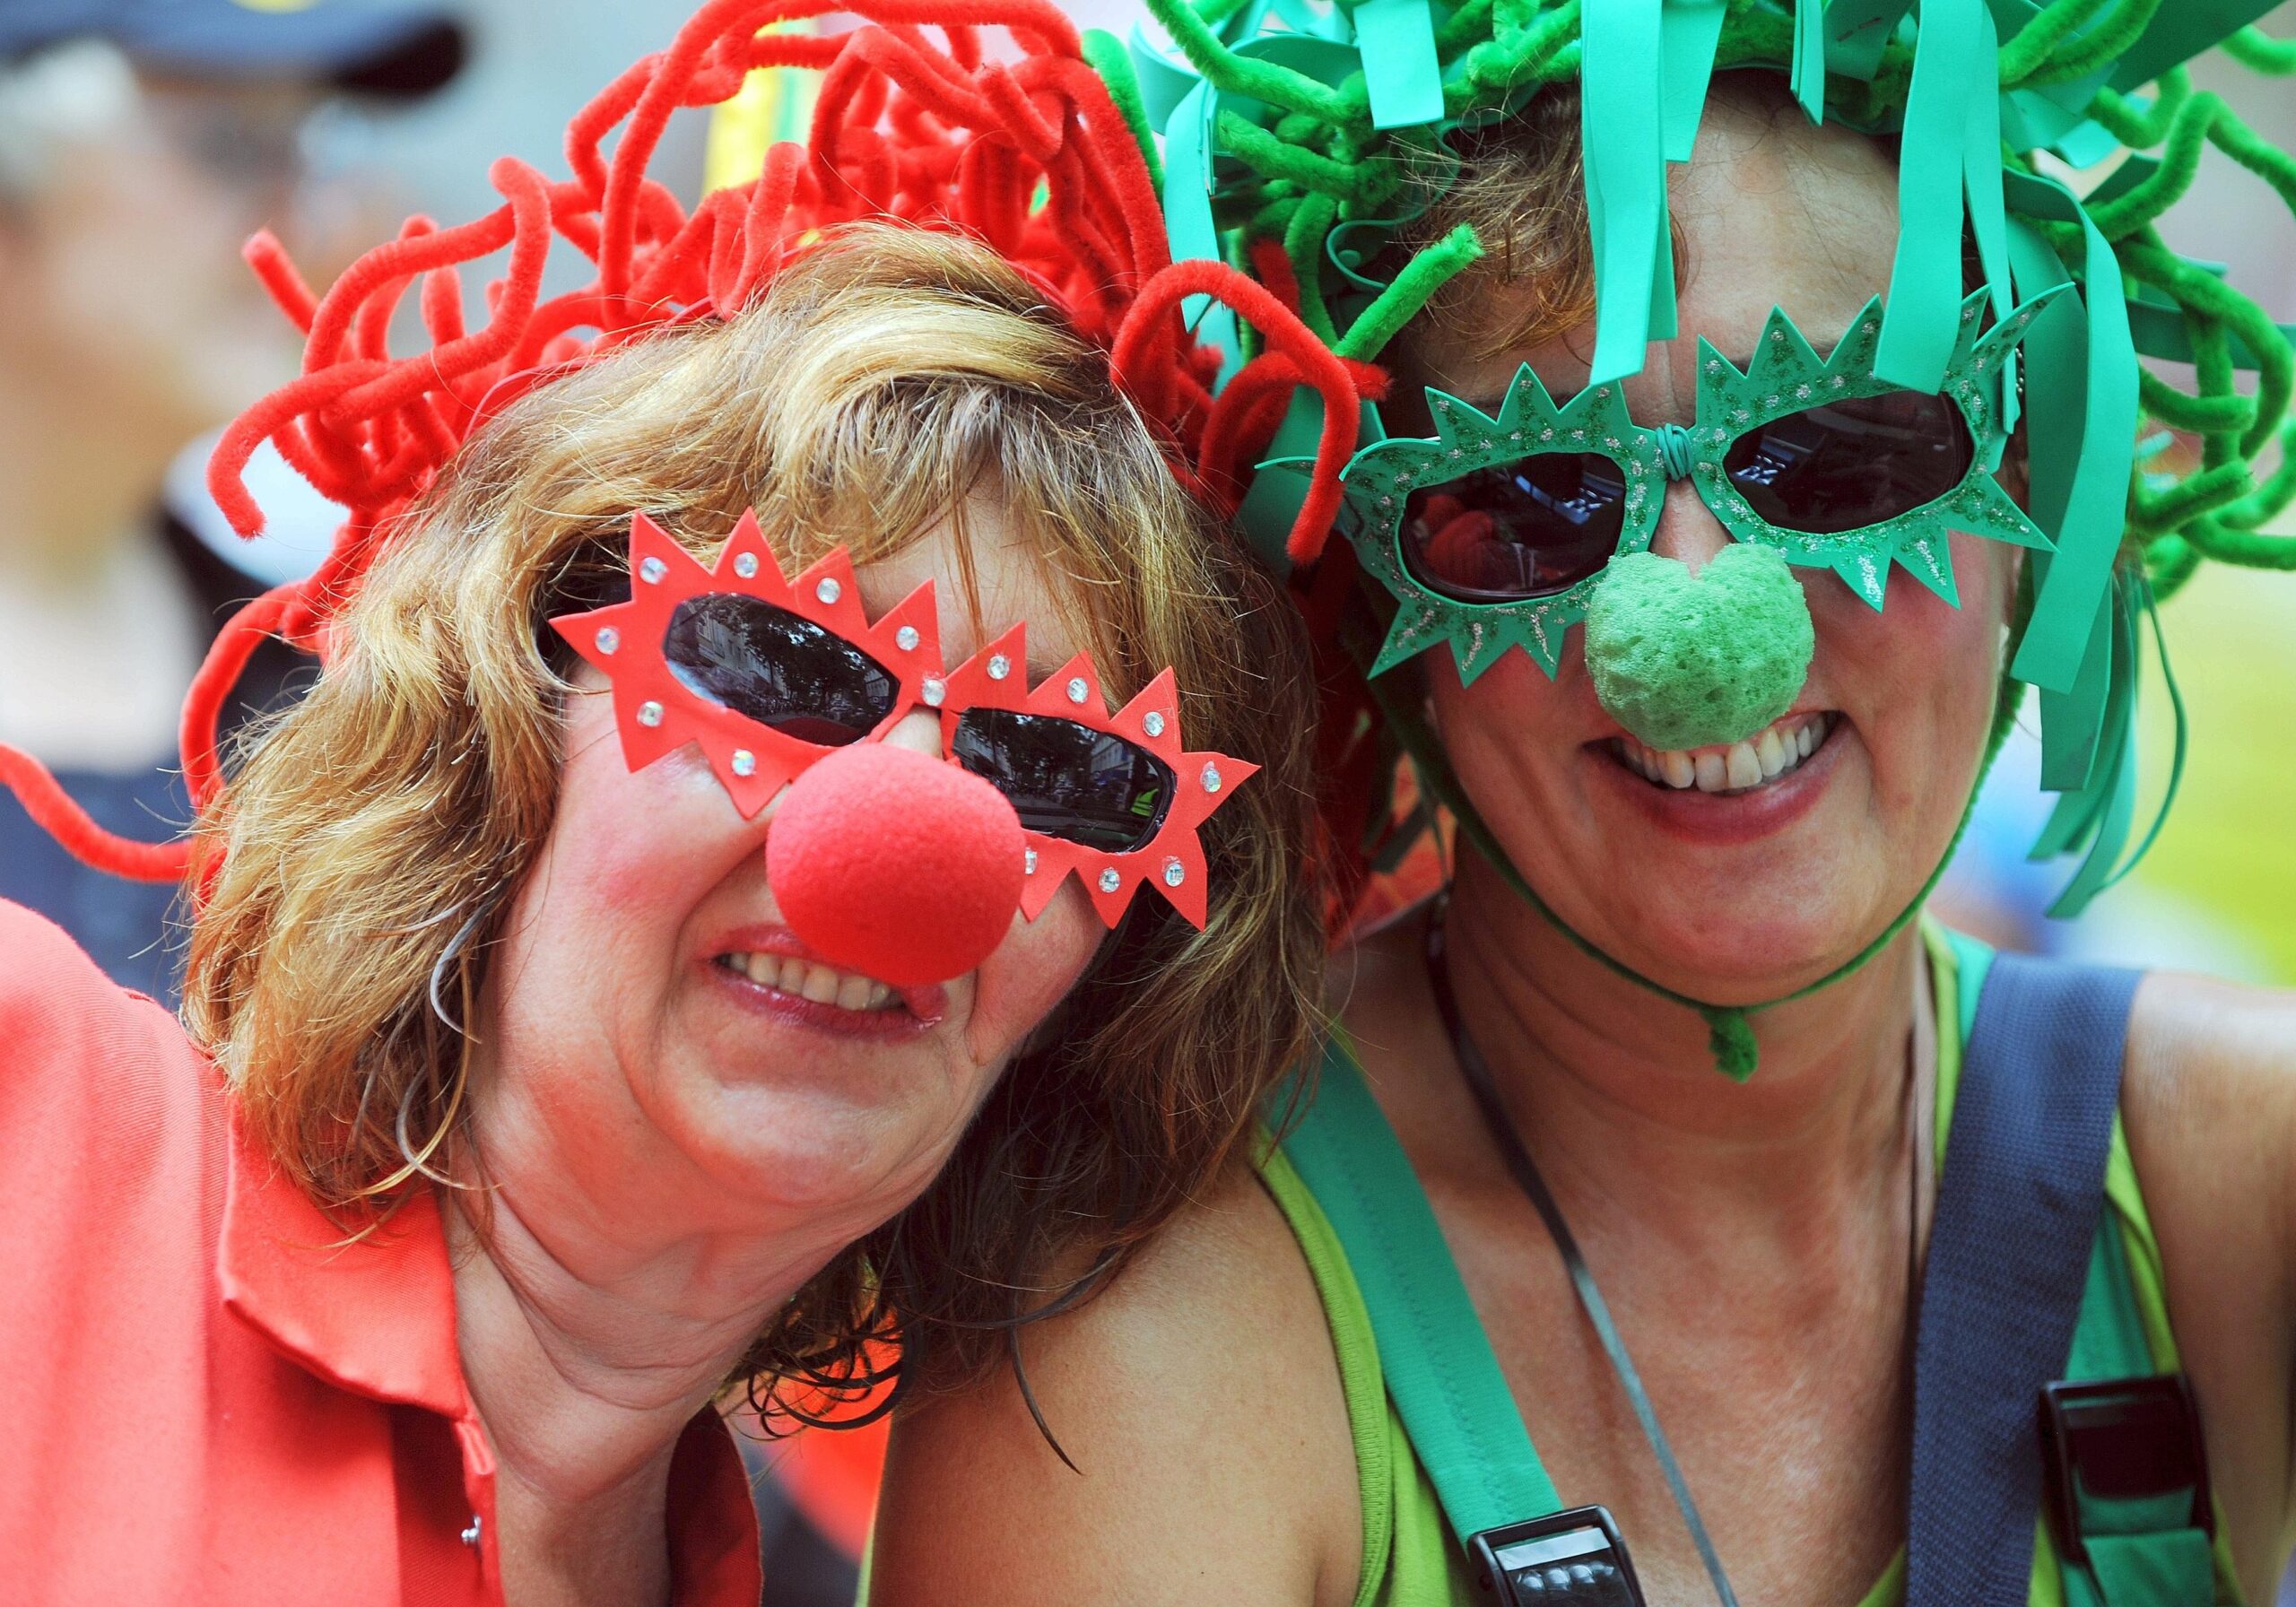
[767, 674]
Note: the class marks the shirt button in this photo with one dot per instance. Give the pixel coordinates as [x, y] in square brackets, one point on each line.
[470, 1535]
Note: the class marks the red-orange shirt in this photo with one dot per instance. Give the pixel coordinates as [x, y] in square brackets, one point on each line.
[204, 1395]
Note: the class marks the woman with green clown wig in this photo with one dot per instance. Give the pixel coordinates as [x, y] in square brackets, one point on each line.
[1676, 1215]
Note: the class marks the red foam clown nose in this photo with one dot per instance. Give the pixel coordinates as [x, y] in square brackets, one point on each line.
[904, 868]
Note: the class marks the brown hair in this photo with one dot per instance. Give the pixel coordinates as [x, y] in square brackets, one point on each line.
[369, 837]
[1520, 185]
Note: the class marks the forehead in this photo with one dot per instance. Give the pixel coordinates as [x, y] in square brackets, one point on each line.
[1770, 212]
[1776, 212]
[986, 577]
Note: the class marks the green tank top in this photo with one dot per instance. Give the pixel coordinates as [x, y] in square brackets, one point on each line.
[1410, 1558]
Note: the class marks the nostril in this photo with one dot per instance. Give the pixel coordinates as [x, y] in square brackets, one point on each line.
[900, 866]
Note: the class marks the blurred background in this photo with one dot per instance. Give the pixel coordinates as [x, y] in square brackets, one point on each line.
[142, 141]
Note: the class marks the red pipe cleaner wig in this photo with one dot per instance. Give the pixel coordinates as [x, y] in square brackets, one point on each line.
[1026, 152]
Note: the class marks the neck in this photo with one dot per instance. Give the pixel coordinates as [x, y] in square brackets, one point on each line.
[588, 1347]
[1609, 1078]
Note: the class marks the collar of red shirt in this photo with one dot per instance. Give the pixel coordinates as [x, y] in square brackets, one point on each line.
[375, 1317]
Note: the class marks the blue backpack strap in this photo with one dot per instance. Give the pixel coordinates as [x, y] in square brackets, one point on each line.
[1440, 1370]
[2017, 1212]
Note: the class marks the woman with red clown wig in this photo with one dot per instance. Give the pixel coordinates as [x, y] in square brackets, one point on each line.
[790, 869]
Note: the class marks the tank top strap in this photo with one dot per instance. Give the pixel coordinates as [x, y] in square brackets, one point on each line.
[1439, 1368]
[1361, 1384]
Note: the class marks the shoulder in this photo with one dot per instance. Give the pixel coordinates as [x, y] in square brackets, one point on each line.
[2210, 1083]
[2209, 1103]
[90, 1072]
[37, 956]
[1200, 1402]
[50, 990]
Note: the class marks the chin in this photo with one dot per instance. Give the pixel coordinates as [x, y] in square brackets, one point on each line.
[818, 1131]
[1744, 947]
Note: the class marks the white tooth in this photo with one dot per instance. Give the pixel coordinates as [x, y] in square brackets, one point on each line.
[1709, 772]
[1653, 766]
[763, 968]
[1632, 752]
[821, 984]
[786, 975]
[878, 995]
[853, 993]
[1743, 768]
[1806, 738]
[1680, 772]
[1770, 755]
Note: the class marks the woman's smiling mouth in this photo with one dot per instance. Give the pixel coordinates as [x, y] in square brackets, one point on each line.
[812, 981]
[1777, 750]
[1741, 793]
[765, 968]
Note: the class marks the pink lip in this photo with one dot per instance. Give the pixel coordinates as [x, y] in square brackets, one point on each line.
[926, 1006]
[1719, 819]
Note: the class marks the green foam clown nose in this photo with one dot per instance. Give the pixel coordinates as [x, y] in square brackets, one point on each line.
[1687, 660]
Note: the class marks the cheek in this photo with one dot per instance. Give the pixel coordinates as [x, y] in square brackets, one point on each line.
[1031, 972]
[1512, 736]
[629, 857]
[1919, 677]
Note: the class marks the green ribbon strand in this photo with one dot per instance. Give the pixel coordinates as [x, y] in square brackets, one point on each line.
[1921, 319]
[1623, 121]
[2086, 525]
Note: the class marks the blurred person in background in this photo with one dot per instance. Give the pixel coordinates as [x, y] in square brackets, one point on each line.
[141, 142]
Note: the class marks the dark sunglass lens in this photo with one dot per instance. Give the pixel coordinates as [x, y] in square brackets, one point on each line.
[1067, 780]
[1525, 529]
[1853, 463]
[777, 669]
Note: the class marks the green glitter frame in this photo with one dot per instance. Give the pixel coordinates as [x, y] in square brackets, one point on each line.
[1785, 375]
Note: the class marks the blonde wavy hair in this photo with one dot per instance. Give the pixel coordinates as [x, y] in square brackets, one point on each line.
[368, 839]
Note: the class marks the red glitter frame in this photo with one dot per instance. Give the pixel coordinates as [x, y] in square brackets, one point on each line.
[657, 714]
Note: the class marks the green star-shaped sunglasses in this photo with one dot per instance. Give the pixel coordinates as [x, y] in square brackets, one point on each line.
[1496, 531]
